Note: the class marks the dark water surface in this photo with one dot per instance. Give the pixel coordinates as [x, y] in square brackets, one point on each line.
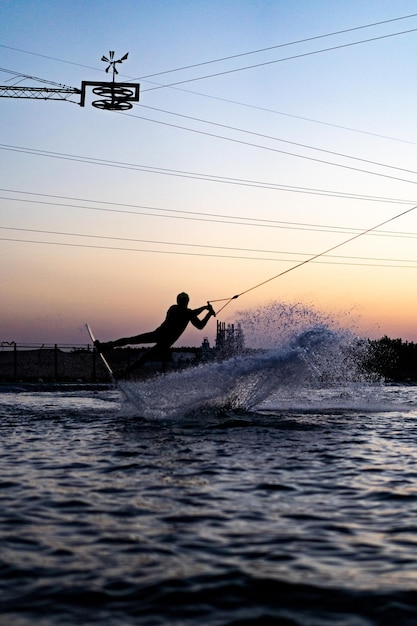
[303, 511]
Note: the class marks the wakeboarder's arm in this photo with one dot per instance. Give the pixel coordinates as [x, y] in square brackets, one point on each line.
[200, 324]
[201, 309]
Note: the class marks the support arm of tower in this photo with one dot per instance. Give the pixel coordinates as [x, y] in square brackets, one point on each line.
[38, 93]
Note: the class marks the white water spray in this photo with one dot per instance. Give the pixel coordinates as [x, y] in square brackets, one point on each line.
[288, 347]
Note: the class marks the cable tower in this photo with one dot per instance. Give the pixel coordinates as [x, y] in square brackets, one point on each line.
[114, 96]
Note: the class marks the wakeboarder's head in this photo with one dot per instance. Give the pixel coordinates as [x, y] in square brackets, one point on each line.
[183, 299]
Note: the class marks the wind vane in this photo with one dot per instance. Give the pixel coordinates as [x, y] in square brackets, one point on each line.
[112, 64]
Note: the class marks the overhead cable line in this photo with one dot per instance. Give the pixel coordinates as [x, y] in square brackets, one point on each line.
[282, 45]
[292, 143]
[122, 165]
[271, 149]
[205, 246]
[202, 254]
[36, 78]
[45, 56]
[184, 215]
[235, 181]
[196, 215]
[293, 116]
[290, 58]
[327, 193]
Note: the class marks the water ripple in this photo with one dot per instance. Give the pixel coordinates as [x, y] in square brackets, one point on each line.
[304, 518]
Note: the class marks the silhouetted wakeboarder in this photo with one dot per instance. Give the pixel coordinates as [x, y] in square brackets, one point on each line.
[176, 321]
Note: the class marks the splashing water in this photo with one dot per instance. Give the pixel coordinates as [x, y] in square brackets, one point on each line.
[289, 347]
[277, 324]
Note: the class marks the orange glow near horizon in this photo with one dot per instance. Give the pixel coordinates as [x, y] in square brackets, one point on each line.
[53, 302]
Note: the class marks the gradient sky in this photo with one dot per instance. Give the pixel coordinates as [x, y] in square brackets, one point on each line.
[319, 136]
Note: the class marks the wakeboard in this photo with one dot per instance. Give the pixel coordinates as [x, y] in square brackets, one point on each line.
[101, 355]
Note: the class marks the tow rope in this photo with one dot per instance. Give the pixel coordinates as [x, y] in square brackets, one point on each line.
[312, 258]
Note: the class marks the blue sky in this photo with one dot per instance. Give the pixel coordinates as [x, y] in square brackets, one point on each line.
[318, 136]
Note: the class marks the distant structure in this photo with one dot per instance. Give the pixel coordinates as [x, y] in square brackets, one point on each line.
[205, 350]
[229, 339]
